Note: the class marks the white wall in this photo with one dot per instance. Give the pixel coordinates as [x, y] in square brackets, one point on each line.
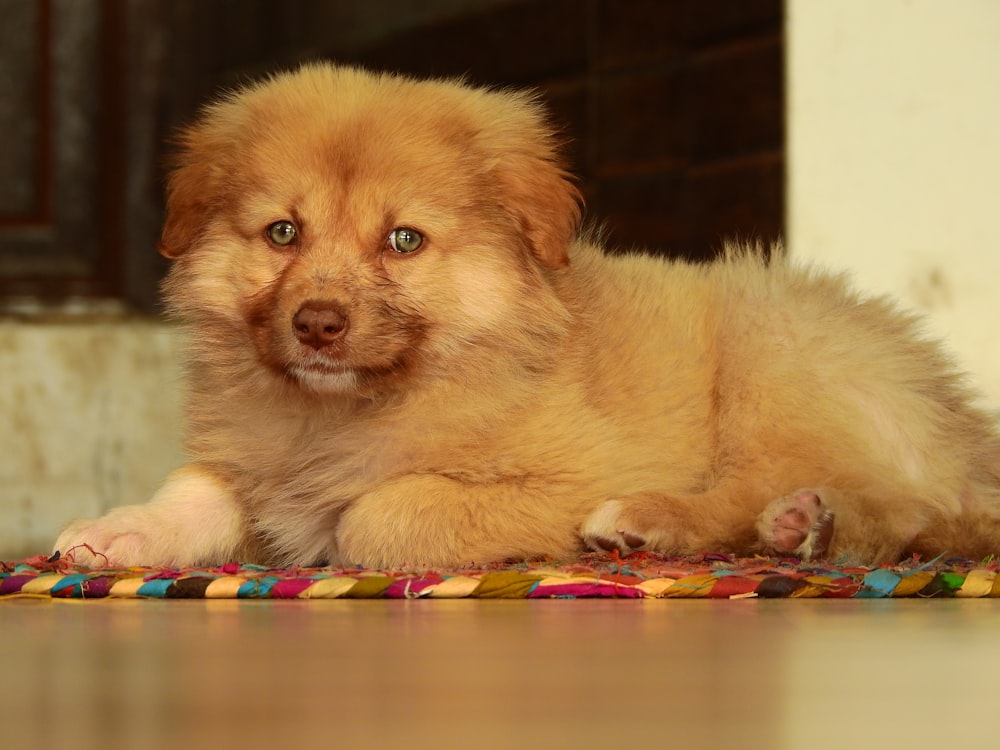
[894, 158]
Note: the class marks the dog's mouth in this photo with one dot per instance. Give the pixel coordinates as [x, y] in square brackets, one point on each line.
[331, 376]
[321, 367]
[324, 379]
[322, 372]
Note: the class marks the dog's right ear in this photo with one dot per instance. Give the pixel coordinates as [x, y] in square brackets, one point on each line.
[187, 211]
[190, 187]
[185, 217]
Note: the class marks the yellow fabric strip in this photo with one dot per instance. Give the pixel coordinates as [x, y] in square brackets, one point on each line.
[694, 587]
[814, 586]
[506, 585]
[226, 587]
[977, 583]
[911, 584]
[564, 574]
[656, 587]
[369, 587]
[41, 584]
[328, 588]
[126, 587]
[456, 587]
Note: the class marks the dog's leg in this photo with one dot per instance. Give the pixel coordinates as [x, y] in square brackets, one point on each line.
[974, 535]
[434, 520]
[868, 527]
[871, 526]
[193, 519]
[670, 524]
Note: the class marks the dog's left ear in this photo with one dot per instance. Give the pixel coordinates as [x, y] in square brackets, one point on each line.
[530, 178]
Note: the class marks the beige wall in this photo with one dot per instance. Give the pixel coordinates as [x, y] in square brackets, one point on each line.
[894, 158]
[89, 419]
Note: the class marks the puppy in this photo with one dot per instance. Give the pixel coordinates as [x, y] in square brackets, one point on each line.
[403, 354]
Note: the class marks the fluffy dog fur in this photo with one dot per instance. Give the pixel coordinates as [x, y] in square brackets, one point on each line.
[507, 390]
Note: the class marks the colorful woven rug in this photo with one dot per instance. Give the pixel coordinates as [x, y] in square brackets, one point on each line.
[637, 576]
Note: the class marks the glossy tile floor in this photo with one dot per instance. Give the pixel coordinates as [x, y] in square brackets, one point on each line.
[499, 674]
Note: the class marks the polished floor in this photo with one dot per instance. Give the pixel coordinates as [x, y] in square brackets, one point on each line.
[499, 674]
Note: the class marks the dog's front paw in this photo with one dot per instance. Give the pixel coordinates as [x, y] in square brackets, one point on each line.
[798, 524]
[615, 526]
[603, 531]
[193, 519]
[125, 537]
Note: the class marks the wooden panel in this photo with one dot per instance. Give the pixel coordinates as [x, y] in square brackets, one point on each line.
[641, 123]
[709, 107]
[58, 234]
[633, 32]
[525, 42]
[736, 99]
[688, 124]
[24, 116]
[690, 213]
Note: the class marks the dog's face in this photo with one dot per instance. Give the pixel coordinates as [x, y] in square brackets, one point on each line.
[348, 228]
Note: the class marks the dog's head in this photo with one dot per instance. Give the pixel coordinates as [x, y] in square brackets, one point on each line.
[345, 226]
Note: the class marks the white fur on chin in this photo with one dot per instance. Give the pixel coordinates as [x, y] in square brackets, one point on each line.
[325, 381]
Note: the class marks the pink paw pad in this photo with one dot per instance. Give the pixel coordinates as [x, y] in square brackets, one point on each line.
[798, 524]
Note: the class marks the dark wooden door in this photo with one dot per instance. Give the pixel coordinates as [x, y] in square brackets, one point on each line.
[60, 138]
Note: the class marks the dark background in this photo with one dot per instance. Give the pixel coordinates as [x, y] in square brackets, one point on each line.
[675, 109]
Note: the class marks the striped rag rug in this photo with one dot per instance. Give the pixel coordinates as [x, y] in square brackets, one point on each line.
[637, 576]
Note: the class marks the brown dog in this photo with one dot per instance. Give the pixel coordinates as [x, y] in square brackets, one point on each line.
[401, 354]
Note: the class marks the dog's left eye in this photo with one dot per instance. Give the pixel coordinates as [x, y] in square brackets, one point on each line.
[405, 240]
[282, 233]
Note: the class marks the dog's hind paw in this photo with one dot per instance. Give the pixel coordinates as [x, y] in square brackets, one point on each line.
[798, 524]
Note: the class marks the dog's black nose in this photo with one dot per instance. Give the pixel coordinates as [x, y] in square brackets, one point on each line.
[319, 324]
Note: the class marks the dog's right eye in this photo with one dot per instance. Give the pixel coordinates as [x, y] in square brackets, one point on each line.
[282, 233]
